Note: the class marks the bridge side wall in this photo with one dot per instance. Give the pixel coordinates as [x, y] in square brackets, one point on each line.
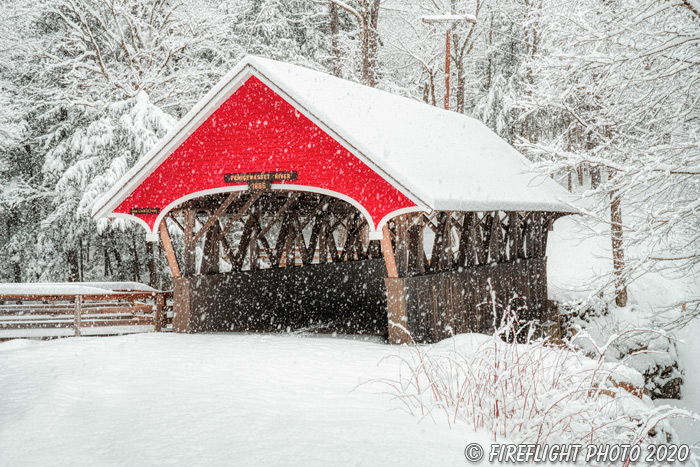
[433, 307]
[345, 297]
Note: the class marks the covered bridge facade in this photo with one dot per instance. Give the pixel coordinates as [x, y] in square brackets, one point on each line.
[305, 200]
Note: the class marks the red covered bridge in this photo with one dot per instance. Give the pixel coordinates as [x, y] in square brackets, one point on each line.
[301, 199]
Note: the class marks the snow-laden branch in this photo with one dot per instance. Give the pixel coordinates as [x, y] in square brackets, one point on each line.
[350, 10]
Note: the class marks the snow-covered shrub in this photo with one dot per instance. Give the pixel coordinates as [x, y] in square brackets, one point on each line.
[651, 352]
[577, 313]
[654, 355]
[530, 393]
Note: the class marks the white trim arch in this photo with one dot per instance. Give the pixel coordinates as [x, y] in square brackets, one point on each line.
[399, 212]
[151, 234]
[130, 217]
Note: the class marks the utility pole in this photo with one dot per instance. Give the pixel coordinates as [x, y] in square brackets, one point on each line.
[450, 21]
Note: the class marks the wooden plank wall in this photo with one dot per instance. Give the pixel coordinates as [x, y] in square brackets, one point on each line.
[347, 297]
[453, 302]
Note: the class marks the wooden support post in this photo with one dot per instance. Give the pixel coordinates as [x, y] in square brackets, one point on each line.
[483, 238]
[189, 266]
[388, 253]
[402, 246]
[182, 304]
[522, 234]
[169, 251]
[398, 327]
[290, 249]
[416, 254]
[513, 236]
[495, 239]
[437, 257]
[466, 241]
[447, 255]
[158, 316]
[261, 241]
[77, 314]
[228, 253]
[210, 256]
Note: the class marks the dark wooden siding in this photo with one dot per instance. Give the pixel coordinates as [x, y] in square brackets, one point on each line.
[345, 297]
[440, 305]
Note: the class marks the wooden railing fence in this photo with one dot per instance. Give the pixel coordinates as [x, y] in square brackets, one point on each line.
[81, 311]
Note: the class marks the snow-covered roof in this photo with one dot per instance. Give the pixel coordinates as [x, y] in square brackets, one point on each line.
[440, 159]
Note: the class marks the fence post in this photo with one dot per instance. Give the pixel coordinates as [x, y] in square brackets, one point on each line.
[158, 318]
[77, 313]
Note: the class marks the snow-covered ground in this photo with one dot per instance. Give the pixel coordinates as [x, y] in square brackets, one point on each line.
[579, 259]
[235, 399]
[210, 400]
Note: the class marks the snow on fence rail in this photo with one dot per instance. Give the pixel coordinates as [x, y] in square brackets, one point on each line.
[56, 310]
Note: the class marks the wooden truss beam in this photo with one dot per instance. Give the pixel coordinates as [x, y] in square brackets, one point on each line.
[215, 217]
[317, 229]
[239, 214]
[278, 214]
[169, 251]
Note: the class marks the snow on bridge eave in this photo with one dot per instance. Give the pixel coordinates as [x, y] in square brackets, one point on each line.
[429, 152]
[436, 158]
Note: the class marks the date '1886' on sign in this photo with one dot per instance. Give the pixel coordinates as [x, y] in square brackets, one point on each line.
[260, 180]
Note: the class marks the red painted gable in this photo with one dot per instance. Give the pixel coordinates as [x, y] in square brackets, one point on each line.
[256, 130]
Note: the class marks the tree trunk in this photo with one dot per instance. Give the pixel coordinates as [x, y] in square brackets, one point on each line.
[17, 272]
[460, 86]
[489, 67]
[81, 263]
[429, 90]
[618, 252]
[107, 263]
[210, 253]
[369, 12]
[73, 265]
[595, 177]
[335, 46]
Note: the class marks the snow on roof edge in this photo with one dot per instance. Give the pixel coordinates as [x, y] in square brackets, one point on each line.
[406, 185]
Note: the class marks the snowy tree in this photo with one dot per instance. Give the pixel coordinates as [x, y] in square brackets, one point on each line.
[623, 90]
[366, 14]
[94, 80]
